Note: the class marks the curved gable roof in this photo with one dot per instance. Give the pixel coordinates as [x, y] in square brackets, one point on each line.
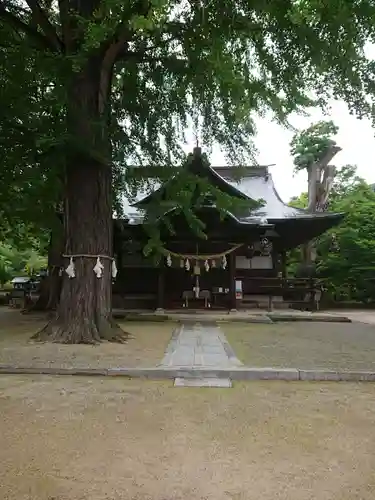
[245, 182]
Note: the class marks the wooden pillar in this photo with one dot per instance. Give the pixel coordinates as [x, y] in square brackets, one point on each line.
[161, 287]
[283, 264]
[232, 281]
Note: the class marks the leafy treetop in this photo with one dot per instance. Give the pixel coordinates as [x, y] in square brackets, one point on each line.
[217, 60]
[309, 146]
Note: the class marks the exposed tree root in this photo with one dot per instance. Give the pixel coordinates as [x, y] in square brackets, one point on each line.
[85, 332]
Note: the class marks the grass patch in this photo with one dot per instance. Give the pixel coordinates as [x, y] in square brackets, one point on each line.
[145, 349]
[335, 346]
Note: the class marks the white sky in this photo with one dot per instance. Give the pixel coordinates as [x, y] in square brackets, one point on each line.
[355, 137]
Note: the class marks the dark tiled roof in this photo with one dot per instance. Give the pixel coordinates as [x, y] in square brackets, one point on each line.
[254, 183]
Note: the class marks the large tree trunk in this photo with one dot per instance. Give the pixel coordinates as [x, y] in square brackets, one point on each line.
[50, 287]
[84, 313]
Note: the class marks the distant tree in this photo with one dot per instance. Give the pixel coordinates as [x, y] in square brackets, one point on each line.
[312, 150]
[310, 146]
[346, 254]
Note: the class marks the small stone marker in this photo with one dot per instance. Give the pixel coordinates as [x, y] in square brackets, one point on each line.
[203, 382]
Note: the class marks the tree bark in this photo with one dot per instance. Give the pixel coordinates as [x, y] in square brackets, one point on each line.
[50, 287]
[84, 314]
[318, 193]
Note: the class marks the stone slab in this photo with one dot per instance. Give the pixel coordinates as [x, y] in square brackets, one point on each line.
[244, 373]
[336, 376]
[318, 318]
[168, 373]
[203, 382]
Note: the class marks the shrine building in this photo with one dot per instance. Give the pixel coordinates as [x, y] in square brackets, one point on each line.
[239, 261]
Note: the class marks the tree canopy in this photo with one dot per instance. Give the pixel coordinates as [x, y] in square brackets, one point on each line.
[170, 61]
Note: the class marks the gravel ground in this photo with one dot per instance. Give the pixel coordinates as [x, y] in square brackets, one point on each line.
[144, 350]
[67, 438]
[344, 346]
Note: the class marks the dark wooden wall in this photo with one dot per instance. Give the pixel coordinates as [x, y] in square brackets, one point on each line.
[136, 280]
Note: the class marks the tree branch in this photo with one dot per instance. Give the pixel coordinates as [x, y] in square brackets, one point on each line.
[46, 26]
[18, 25]
[106, 71]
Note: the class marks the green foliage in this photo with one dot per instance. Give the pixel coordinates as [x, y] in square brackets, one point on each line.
[300, 201]
[351, 269]
[346, 254]
[221, 60]
[310, 145]
[215, 63]
[15, 261]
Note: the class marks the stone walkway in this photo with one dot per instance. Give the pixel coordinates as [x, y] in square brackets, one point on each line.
[200, 346]
[195, 345]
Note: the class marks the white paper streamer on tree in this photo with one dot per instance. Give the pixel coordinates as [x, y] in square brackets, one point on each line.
[98, 269]
[224, 262]
[114, 269]
[169, 260]
[70, 270]
[206, 265]
[187, 265]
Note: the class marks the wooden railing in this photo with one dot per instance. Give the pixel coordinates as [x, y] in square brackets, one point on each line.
[296, 291]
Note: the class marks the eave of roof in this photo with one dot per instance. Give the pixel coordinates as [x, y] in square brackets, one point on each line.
[250, 183]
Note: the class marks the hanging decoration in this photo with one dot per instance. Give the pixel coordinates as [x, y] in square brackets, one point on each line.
[70, 270]
[209, 261]
[266, 246]
[203, 257]
[114, 269]
[98, 268]
[224, 262]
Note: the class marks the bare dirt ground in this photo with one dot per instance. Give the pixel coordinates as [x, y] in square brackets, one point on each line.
[67, 438]
[146, 348]
[336, 346]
